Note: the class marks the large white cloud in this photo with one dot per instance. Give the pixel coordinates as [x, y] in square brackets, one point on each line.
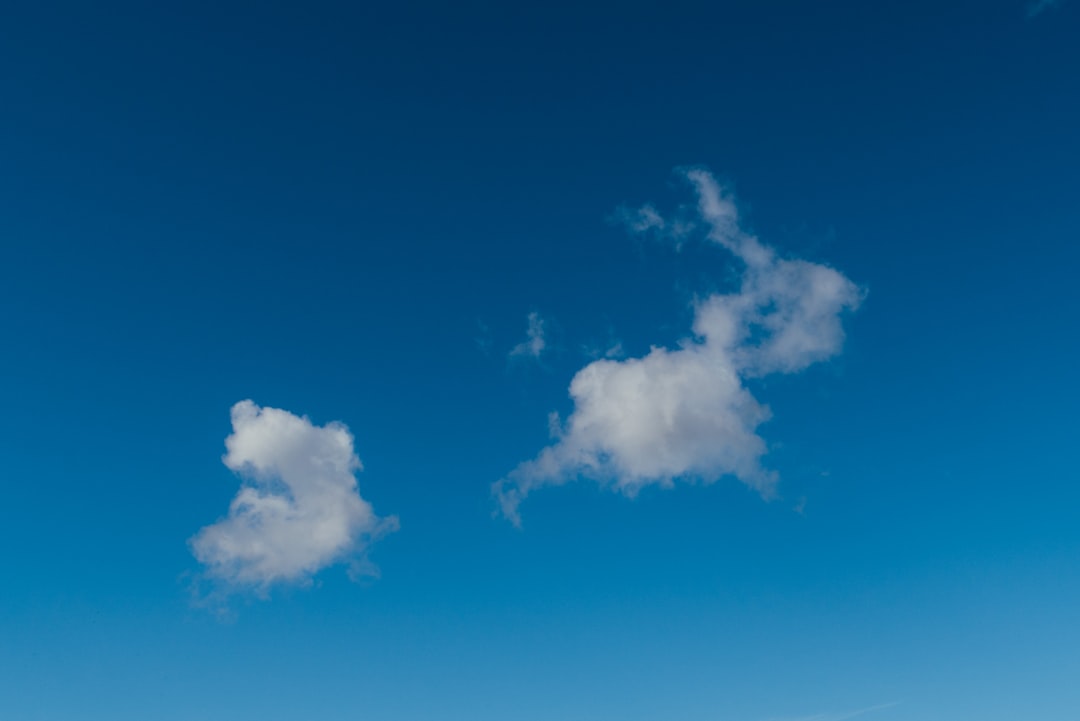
[298, 510]
[686, 412]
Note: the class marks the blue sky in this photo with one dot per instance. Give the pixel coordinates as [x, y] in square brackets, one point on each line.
[402, 231]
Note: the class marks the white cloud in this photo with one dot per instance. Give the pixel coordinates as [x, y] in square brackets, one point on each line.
[686, 413]
[613, 348]
[642, 219]
[646, 220]
[298, 510]
[534, 342]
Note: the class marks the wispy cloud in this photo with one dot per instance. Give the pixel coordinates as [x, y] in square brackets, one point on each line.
[483, 337]
[298, 509]
[686, 412]
[611, 347]
[647, 220]
[613, 350]
[841, 716]
[535, 342]
[641, 219]
[1038, 7]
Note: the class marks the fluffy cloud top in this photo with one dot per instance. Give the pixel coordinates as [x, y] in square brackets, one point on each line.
[686, 412]
[534, 342]
[299, 509]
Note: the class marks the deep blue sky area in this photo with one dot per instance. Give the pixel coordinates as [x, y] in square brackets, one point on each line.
[349, 211]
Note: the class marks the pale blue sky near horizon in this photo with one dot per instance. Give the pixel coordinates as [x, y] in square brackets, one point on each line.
[353, 212]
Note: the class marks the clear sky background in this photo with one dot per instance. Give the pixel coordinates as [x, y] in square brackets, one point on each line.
[351, 212]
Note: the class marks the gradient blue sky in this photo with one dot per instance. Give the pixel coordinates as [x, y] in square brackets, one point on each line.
[349, 212]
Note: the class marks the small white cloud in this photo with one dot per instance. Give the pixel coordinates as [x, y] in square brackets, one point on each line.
[640, 220]
[686, 412]
[534, 342]
[646, 220]
[612, 349]
[298, 510]
[615, 350]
